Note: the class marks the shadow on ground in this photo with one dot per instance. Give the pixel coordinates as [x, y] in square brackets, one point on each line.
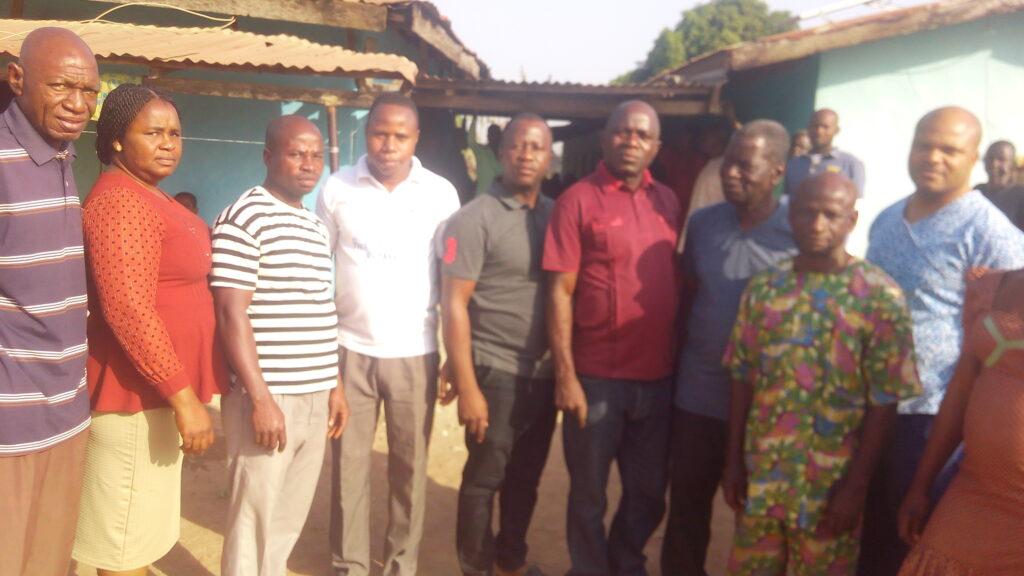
[204, 501]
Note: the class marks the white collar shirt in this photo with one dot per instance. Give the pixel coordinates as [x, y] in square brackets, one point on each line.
[386, 270]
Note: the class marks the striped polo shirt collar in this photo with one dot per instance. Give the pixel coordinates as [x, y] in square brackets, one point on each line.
[38, 149]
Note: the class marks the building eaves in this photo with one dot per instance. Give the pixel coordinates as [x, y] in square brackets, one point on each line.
[557, 99]
[215, 48]
[419, 20]
[425, 22]
[713, 68]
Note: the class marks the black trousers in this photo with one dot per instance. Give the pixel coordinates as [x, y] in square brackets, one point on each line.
[521, 417]
[697, 459]
[881, 550]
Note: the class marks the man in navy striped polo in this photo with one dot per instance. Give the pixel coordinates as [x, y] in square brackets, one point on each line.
[44, 402]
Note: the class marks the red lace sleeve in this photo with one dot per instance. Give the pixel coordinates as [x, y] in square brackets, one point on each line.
[123, 236]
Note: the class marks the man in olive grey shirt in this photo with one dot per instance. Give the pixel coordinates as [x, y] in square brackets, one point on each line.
[493, 309]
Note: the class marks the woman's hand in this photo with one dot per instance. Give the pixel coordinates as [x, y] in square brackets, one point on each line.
[193, 421]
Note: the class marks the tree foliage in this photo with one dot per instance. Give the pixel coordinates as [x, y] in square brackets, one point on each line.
[708, 27]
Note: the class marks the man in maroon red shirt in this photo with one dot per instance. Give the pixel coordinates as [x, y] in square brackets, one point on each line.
[611, 313]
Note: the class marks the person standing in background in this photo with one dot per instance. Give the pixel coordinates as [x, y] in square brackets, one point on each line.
[823, 155]
[1002, 189]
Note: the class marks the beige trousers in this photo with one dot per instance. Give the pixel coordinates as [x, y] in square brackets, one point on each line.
[39, 495]
[271, 491]
[407, 387]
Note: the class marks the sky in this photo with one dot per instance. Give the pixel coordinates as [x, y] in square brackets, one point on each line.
[588, 41]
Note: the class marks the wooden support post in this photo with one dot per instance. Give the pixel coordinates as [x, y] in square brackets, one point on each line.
[332, 138]
[17, 8]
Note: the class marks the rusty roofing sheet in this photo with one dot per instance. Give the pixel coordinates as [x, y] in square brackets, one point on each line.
[215, 48]
[678, 90]
[830, 36]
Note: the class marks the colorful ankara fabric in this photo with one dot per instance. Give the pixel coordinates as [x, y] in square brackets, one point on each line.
[151, 322]
[978, 526]
[768, 547]
[817, 349]
[43, 398]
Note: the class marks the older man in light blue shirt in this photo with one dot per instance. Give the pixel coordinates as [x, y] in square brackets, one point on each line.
[927, 242]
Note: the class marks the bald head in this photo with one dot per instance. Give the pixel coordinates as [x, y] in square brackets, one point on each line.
[525, 153]
[1000, 165]
[44, 44]
[944, 152]
[284, 128]
[822, 213]
[55, 83]
[520, 122]
[953, 118]
[822, 130]
[631, 108]
[825, 114]
[828, 184]
[294, 156]
[630, 141]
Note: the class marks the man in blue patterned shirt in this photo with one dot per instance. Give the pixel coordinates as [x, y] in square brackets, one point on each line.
[927, 242]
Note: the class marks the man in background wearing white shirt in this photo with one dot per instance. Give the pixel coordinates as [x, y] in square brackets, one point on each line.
[382, 215]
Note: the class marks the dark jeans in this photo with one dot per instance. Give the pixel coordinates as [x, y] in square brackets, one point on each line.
[521, 418]
[628, 422]
[698, 457]
[881, 551]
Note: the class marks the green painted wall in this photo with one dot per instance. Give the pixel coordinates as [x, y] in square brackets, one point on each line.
[881, 89]
[783, 92]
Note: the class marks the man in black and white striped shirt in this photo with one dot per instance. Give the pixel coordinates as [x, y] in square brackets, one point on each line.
[276, 317]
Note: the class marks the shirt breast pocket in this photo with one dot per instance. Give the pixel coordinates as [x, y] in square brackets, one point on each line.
[600, 237]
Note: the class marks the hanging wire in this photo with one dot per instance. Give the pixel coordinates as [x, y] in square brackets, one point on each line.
[226, 22]
[201, 139]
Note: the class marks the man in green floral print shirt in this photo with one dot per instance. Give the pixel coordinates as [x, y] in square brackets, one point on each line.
[821, 353]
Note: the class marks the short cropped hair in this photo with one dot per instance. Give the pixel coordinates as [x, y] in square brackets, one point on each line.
[517, 119]
[776, 138]
[394, 99]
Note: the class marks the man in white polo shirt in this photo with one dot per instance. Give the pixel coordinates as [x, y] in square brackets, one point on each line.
[383, 215]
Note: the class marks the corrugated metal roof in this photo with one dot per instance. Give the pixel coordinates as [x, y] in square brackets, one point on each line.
[797, 44]
[567, 88]
[215, 48]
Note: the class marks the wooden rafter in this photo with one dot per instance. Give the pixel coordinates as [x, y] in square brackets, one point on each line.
[353, 15]
[269, 92]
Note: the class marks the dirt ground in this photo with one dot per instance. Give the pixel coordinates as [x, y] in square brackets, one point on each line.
[204, 502]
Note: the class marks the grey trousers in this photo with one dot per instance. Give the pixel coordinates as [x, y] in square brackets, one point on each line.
[407, 387]
[271, 491]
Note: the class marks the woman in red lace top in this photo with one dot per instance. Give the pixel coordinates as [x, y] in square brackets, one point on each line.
[153, 357]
